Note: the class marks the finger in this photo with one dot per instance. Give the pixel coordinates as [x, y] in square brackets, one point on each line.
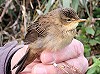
[48, 69]
[73, 66]
[80, 63]
[44, 69]
[28, 68]
[71, 51]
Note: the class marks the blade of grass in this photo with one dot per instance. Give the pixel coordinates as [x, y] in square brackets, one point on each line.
[2, 1]
[66, 3]
[49, 4]
[75, 4]
[85, 5]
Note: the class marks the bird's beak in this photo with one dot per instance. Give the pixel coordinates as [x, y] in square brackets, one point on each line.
[74, 24]
[80, 20]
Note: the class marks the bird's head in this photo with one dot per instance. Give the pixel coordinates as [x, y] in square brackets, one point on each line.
[69, 18]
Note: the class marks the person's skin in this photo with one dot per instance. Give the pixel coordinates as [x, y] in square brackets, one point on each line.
[72, 54]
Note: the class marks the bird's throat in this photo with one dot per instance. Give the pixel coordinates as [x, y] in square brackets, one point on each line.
[71, 25]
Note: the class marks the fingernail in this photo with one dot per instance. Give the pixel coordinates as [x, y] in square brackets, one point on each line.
[39, 70]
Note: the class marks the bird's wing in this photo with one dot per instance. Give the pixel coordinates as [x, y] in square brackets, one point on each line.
[35, 30]
[39, 28]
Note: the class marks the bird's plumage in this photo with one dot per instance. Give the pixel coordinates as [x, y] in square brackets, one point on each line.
[52, 31]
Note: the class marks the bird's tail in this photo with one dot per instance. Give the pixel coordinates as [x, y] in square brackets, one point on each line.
[20, 64]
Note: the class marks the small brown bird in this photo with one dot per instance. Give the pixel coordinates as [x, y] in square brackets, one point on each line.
[52, 31]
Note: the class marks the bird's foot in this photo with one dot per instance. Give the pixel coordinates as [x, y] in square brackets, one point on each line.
[60, 67]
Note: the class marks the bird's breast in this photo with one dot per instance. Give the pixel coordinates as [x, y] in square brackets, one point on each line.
[55, 43]
[55, 39]
[58, 38]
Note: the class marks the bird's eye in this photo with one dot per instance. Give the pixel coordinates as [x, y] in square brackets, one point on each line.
[69, 20]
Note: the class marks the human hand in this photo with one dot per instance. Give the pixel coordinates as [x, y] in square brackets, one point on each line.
[71, 57]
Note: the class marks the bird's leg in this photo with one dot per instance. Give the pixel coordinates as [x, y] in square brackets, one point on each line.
[60, 67]
[70, 67]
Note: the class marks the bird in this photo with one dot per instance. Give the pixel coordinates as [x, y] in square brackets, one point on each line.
[52, 31]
